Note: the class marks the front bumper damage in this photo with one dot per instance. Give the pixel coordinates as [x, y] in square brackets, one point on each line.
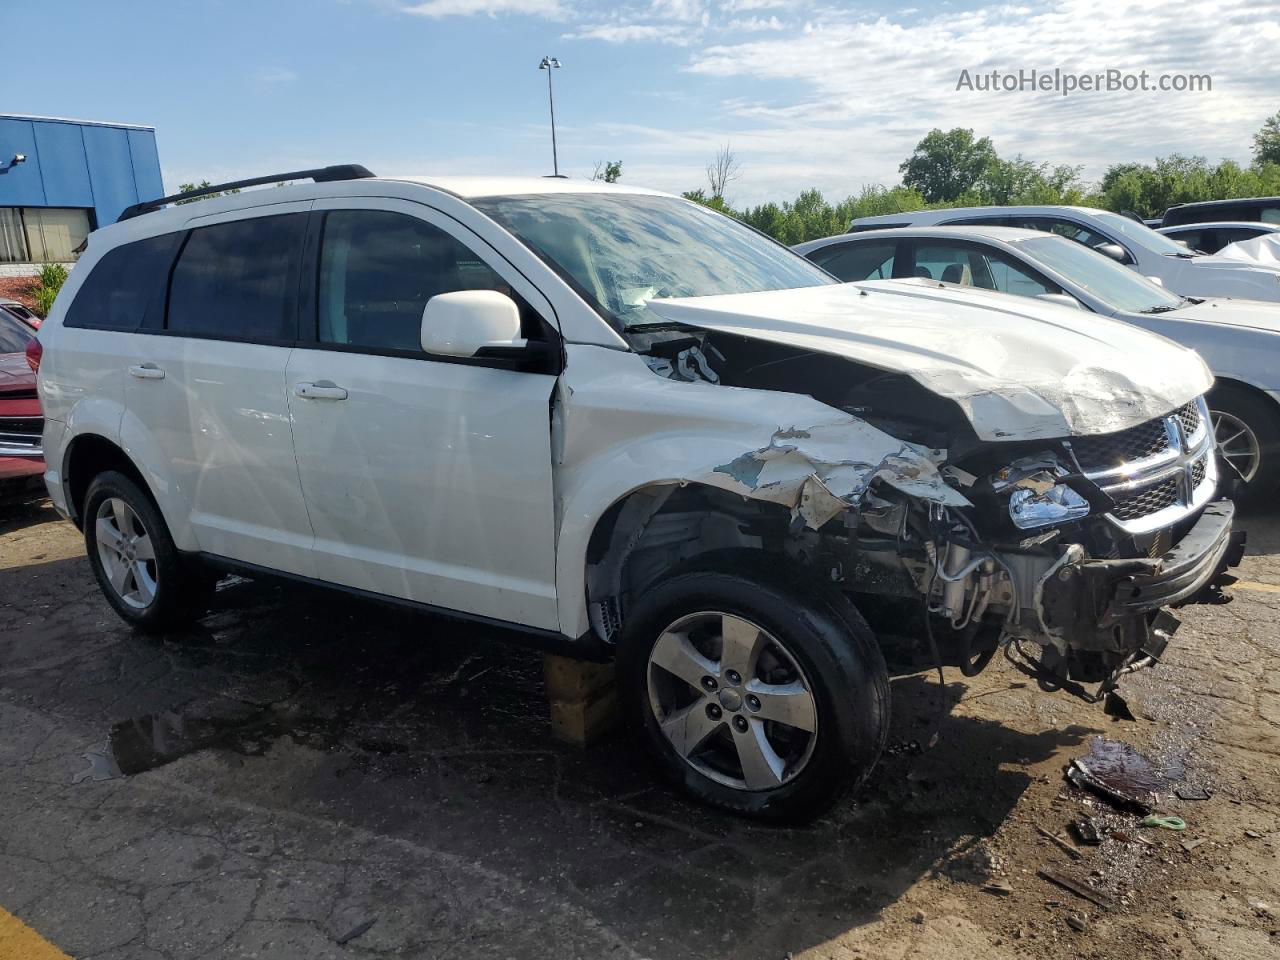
[1104, 617]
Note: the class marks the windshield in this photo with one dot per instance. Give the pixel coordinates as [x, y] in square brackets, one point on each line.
[14, 334]
[1140, 233]
[621, 251]
[1118, 287]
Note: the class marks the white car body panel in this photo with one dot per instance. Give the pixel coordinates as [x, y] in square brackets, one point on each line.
[1263, 250]
[1198, 276]
[1019, 369]
[619, 428]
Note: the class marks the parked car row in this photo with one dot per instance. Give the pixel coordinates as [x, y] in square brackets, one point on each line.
[21, 424]
[637, 430]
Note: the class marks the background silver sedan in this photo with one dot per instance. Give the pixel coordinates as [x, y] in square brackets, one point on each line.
[1239, 339]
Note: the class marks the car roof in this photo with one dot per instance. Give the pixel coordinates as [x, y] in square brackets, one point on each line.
[472, 187]
[1003, 234]
[943, 213]
[1193, 204]
[1219, 224]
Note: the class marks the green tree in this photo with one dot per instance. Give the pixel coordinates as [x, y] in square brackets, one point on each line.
[1266, 142]
[192, 187]
[610, 171]
[945, 165]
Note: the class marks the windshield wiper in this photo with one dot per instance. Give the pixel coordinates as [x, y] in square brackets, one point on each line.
[1159, 309]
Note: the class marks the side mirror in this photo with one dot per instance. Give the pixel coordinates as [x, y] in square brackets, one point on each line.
[1064, 299]
[1115, 252]
[463, 323]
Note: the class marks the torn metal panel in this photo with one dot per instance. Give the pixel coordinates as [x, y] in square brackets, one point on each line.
[825, 469]
[1019, 368]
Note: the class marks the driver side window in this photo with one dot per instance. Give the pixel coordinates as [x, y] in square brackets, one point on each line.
[378, 269]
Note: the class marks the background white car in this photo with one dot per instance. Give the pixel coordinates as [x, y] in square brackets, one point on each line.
[1212, 237]
[1239, 339]
[1124, 240]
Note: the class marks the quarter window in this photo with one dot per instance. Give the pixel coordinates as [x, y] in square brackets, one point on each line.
[233, 280]
[125, 286]
[378, 269]
[857, 261]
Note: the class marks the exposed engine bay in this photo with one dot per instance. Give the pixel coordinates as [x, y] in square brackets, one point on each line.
[1064, 553]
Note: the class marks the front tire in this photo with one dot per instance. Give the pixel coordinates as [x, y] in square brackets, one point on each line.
[757, 694]
[1247, 430]
[141, 573]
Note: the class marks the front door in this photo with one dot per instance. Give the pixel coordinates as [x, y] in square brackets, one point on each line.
[425, 478]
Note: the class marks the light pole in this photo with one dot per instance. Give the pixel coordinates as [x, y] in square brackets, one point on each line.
[548, 64]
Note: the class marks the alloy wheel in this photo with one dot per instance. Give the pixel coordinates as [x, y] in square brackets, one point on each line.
[1237, 442]
[126, 552]
[732, 701]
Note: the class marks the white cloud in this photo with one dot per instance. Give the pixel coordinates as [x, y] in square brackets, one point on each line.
[436, 9]
[745, 6]
[877, 84]
[754, 24]
[633, 33]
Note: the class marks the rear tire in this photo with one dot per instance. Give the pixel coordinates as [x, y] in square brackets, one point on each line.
[1247, 427]
[781, 738]
[141, 573]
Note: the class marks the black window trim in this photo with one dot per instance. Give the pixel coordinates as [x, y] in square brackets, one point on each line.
[843, 244]
[552, 361]
[162, 294]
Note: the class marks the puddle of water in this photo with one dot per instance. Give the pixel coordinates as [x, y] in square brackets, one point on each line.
[152, 740]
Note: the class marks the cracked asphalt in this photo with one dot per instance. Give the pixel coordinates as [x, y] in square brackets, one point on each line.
[307, 776]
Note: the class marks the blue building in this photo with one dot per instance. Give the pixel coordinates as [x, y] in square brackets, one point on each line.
[59, 179]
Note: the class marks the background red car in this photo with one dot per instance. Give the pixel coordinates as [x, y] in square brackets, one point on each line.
[21, 423]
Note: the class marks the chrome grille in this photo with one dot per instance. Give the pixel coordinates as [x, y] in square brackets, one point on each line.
[1156, 472]
[1148, 500]
[21, 436]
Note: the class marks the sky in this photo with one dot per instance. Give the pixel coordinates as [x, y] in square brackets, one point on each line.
[806, 94]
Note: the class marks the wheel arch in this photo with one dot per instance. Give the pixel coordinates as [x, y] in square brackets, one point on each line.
[86, 456]
[653, 528]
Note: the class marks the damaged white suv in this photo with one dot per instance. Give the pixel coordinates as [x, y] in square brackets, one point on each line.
[632, 428]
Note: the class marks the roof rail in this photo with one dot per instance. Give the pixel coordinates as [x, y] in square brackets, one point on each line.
[341, 171]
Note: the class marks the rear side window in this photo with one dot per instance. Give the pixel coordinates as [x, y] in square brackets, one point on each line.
[125, 286]
[378, 269]
[857, 261]
[237, 280]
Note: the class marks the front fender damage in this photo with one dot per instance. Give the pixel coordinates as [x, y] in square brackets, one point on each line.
[821, 471]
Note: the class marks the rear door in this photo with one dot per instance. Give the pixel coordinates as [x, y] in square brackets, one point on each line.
[427, 478]
[205, 394]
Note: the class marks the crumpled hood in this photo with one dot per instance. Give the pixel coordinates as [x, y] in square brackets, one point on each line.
[1261, 251]
[1252, 314]
[1019, 368]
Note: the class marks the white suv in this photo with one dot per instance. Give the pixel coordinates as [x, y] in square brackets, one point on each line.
[630, 427]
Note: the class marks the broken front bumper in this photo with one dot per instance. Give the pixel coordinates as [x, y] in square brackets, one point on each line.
[1106, 605]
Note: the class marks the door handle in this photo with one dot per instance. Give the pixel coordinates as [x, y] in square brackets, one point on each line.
[320, 390]
[146, 371]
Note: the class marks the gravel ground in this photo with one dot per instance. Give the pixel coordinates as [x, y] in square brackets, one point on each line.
[305, 776]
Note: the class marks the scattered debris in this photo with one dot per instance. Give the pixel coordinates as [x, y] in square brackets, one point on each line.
[998, 887]
[1077, 923]
[1117, 772]
[359, 930]
[1193, 793]
[1086, 830]
[978, 865]
[1262, 909]
[1115, 706]
[1078, 887]
[1125, 837]
[1168, 823]
[1254, 834]
[918, 917]
[1065, 847]
[1189, 845]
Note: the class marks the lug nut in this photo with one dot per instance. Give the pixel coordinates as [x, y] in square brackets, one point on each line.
[708, 683]
[753, 701]
[733, 677]
[740, 723]
[714, 711]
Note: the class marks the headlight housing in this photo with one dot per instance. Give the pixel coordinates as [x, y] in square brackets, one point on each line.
[1059, 504]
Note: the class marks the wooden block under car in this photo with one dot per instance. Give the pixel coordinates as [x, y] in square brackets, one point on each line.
[583, 699]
